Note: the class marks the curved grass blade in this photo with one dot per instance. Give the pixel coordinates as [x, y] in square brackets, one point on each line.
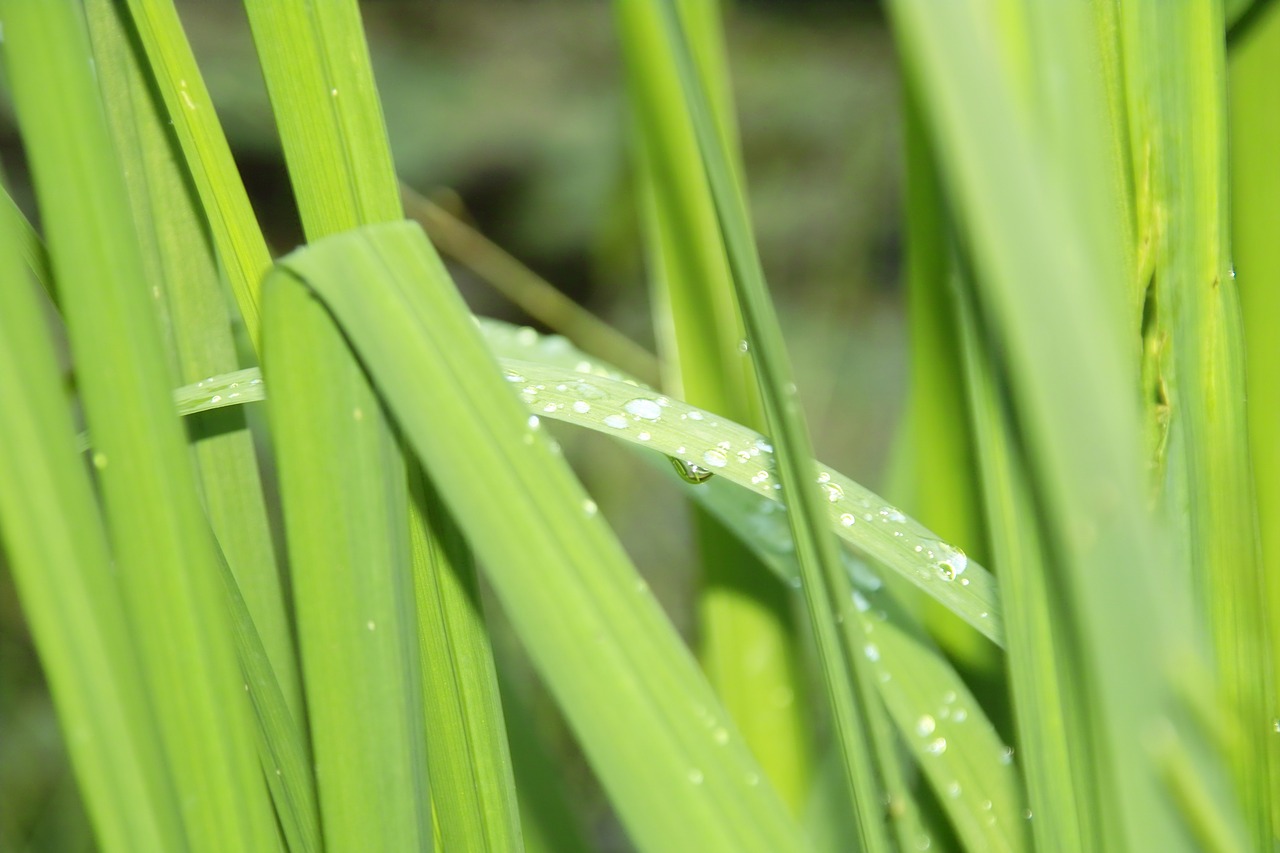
[676, 771]
[563, 384]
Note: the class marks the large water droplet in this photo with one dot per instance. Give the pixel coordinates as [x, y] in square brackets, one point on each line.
[689, 472]
[643, 408]
[616, 421]
[951, 561]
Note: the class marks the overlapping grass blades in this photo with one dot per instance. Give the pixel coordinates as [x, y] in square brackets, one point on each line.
[163, 551]
[670, 759]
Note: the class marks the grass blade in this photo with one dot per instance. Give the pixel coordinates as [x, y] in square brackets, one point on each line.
[56, 547]
[164, 553]
[670, 760]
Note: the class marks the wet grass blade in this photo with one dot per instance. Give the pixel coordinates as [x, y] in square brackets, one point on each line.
[162, 547]
[667, 755]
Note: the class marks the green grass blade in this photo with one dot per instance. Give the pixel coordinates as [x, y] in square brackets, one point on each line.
[588, 395]
[56, 548]
[316, 66]
[955, 744]
[473, 789]
[1255, 207]
[162, 548]
[231, 221]
[177, 253]
[746, 625]
[1177, 114]
[30, 246]
[674, 768]
[870, 763]
[343, 488]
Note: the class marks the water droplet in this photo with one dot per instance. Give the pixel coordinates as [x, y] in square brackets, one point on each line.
[925, 726]
[759, 477]
[512, 376]
[953, 790]
[689, 472]
[534, 423]
[987, 805]
[1275, 725]
[872, 651]
[581, 407]
[642, 408]
[371, 625]
[526, 337]
[216, 398]
[589, 507]
[1006, 756]
[715, 458]
[357, 414]
[721, 736]
[695, 416]
[1027, 814]
[695, 776]
[952, 562]
[764, 446]
[616, 421]
[860, 602]
[834, 492]
[551, 408]
[824, 477]
[924, 843]
[890, 513]
[644, 436]
[848, 520]
[937, 746]
[743, 346]
[959, 715]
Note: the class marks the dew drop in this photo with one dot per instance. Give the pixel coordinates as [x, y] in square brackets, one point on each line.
[959, 715]
[848, 520]
[616, 421]
[643, 436]
[1006, 756]
[695, 416]
[764, 446]
[715, 458]
[824, 477]
[925, 726]
[872, 651]
[952, 562]
[589, 507]
[759, 477]
[743, 346]
[937, 746]
[721, 736]
[534, 423]
[890, 513]
[216, 398]
[581, 407]
[834, 492]
[371, 625]
[357, 414]
[587, 391]
[643, 408]
[953, 790]
[526, 337]
[512, 376]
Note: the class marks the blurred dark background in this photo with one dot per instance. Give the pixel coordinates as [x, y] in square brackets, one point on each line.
[518, 109]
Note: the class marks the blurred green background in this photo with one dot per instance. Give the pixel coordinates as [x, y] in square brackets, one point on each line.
[514, 113]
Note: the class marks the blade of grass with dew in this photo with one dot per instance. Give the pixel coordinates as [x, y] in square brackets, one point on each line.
[177, 253]
[589, 395]
[1254, 66]
[230, 218]
[869, 760]
[56, 547]
[472, 784]
[1174, 59]
[1072, 406]
[346, 512]
[674, 768]
[163, 551]
[522, 287]
[746, 625]
[944, 727]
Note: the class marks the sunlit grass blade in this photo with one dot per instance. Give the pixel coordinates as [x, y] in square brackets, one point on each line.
[346, 512]
[1254, 66]
[472, 785]
[747, 627]
[673, 766]
[164, 554]
[56, 548]
[1047, 294]
[176, 252]
[1177, 117]
[207, 156]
